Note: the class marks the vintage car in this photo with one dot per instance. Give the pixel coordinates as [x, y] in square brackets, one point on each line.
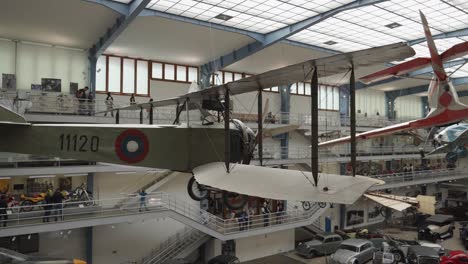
[455, 257]
[353, 251]
[422, 255]
[322, 244]
[437, 227]
[464, 234]
[399, 247]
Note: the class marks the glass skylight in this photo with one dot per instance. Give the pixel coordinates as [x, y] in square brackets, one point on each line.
[350, 30]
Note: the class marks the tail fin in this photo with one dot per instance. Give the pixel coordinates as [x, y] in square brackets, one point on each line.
[8, 116]
[436, 59]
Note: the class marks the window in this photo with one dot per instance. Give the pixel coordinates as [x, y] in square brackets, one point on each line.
[193, 74]
[228, 77]
[294, 88]
[169, 72]
[307, 89]
[181, 73]
[101, 72]
[142, 78]
[328, 240]
[237, 76]
[128, 76]
[218, 78]
[275, 89]
[157, 70]
[114, 76]
[300, 88]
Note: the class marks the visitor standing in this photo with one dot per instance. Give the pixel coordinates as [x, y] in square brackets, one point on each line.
[3, 210]
[109, 104]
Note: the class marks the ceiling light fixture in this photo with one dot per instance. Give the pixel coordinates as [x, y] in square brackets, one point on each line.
[41, 176]
[393, 25]
[223, 17]
[330, 42]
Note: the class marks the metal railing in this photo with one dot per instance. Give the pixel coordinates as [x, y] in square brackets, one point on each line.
[271, 151]
[174, 245]
[154, 202]
[418, 175]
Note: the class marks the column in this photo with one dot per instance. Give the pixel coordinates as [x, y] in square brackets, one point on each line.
[285, 95]
[390, 106]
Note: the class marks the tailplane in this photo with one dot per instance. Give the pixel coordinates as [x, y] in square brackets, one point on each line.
[8, 116]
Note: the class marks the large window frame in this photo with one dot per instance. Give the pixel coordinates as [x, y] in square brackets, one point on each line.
[135, 77]
[175, 66]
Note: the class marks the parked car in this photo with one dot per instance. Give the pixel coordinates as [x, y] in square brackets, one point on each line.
[381, 257]
[8, 256]
[399, 247]
[464, 234]
[322, 244]
[437, 227]
[455, 257]
[353, 251]
[422, 255]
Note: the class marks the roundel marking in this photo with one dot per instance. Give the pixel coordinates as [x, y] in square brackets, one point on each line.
[132, 146]
[445, 99]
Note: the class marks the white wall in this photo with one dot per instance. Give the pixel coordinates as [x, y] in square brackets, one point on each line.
[63, 244]
[34, 62]
[130, 241]
[7, 57]
[264, 245]
[370, 101]
[408, 106]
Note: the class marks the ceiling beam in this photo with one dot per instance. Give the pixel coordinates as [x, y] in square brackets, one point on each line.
[452, 34]
[128, 14]
[271, 38]
[423, 88]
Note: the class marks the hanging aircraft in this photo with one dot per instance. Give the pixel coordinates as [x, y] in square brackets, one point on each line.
[216, 155]
[13, 257]
[443, 99]
[453, 141]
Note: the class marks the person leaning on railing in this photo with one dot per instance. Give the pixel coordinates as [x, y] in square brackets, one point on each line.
[109, 104]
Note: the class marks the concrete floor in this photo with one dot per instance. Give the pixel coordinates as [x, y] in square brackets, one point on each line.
[453, 243]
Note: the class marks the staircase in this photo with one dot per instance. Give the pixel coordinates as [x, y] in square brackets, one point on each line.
[180, 246]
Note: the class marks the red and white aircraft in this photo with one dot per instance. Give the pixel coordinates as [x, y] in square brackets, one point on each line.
[442, 96]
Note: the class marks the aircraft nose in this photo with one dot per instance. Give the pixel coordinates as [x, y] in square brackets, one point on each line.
[77, 261]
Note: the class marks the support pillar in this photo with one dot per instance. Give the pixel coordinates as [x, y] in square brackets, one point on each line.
[424, 106]
[90, 183]
[342, 216]
[344, 102]
[227, 131]
[285, 96]
[390, 106]
[92, 75]
[260, 126]
[89, 244]
[352, 104]
[314, 126]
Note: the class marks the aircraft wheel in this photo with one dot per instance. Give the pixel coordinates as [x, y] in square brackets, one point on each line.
[196, 191]
[234, 201]
[26, 206]
[306, 206]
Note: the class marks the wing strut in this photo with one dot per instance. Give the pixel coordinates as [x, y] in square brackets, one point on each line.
[352, 105]
[141, 115]
[314, 125]
[227, 131]
[260, 126]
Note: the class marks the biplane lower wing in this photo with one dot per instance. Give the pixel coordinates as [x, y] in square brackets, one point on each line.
[279, 184]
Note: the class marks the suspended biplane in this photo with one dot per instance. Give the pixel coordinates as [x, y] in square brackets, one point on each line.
[216, 154]
[443, 99]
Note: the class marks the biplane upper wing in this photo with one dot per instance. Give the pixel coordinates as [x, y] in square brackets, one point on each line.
[299, 72]
[395, 204]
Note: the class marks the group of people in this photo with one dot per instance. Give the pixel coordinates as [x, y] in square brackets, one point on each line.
[52, 205]
[247, 219]
[86, 101]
